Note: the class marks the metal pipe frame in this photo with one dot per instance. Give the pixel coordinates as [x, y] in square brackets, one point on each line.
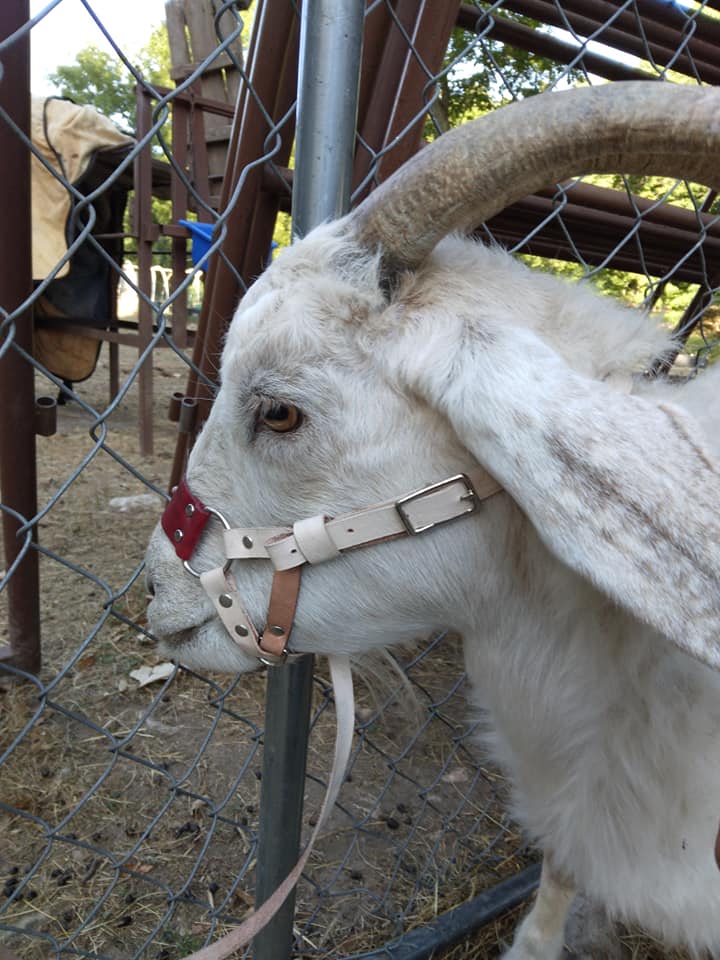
[331, 36]
[525, 38]
[147, 234]
[394, 81]
[589, 18]
[272, 71]
[661, 33]
[330, 51]
[609, 237]
[18, 472]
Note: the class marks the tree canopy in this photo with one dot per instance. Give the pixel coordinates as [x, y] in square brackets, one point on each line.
[102, 79]
[481, 73]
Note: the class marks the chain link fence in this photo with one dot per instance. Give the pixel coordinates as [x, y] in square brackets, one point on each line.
[129, 789]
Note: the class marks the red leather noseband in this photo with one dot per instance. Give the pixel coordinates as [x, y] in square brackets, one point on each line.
[184, 520]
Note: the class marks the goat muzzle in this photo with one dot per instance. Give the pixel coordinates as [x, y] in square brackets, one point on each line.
[184, 520]
[313, 540]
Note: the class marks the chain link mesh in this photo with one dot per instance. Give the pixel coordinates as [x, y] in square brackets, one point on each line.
[129, 813]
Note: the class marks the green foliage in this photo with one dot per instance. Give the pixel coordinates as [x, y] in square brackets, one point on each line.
[99, 79]
[480, 75]
[704, 342]
[248, 18]
[283, 232]
[102, 80]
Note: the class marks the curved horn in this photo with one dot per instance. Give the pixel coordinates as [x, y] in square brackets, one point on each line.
[475, 171]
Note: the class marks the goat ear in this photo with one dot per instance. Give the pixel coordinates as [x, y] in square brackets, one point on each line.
[617, 487]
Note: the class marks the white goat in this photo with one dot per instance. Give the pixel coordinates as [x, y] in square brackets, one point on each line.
[374, 357]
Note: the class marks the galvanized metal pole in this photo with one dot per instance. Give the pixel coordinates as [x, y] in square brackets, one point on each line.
[330, 52]
[17, 394]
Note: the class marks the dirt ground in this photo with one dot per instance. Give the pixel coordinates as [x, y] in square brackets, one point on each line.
[129, 814]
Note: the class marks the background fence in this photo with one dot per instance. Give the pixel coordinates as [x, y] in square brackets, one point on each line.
[130, 812]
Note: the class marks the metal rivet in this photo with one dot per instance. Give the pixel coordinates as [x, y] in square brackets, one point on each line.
[225, 600]
[277, 631]
[189, 510]
[247, 542]
[241, 631]
[177, 536]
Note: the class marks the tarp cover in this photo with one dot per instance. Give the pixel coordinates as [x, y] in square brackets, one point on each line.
[67, 135]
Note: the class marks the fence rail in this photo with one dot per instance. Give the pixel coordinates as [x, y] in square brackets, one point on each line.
[130, 801]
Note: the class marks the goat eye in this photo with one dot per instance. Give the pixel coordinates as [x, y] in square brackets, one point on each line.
[280, 417]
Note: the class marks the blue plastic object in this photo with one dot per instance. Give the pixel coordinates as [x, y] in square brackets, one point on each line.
[201, 234]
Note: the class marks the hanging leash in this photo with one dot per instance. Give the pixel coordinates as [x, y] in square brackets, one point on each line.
[241, 936]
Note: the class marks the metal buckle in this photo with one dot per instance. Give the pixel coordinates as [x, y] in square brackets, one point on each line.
[228, 563]
[271, 660]
[469, 495]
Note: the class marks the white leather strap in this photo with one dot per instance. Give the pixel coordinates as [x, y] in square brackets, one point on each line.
[345, 717]
[313, 539]
[248, 543]
[318, 538]
[223, 592]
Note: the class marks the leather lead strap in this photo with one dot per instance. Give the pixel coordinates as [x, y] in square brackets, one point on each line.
[345, 715]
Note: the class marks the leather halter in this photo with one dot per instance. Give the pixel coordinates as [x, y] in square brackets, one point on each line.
[314, 540]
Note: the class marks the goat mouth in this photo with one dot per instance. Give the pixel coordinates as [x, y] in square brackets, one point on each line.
[178, 638]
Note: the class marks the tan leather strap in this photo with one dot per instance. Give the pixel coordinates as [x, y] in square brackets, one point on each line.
[281, 612]
[313, 538]
[345, 716]
[316, 540]
[248, 543]
[271, 646]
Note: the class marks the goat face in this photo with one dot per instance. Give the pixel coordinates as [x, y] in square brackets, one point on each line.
[456, 369]
[307, 422]
[333, 399]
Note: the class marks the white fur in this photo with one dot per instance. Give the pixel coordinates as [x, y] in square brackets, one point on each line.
[568, 589]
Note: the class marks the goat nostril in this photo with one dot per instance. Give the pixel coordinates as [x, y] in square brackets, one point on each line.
[150, 588]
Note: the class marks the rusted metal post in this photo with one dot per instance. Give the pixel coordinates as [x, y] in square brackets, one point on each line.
[272, 71]
[147, 233]
[17, 401]
[393, 113]
[179, 196]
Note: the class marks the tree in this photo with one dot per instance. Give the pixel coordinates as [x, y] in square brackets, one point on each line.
[102, 80]
[481, 74]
